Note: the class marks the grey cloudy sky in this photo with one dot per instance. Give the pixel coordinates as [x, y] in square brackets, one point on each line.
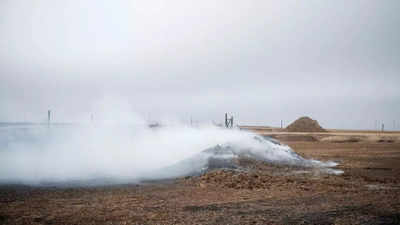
[263, 61]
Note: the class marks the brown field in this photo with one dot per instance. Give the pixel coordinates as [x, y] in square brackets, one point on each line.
[367, 193]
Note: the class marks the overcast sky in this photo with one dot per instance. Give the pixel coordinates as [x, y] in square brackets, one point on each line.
[263, 61]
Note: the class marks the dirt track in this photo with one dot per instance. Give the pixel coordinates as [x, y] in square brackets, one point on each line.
[367, 193]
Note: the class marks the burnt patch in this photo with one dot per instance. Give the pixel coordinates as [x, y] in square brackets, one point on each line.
[377, 168]
[385, 141]
[3, 219]
[194, 208]
[348, 140]
[389, 219]
[366, 214]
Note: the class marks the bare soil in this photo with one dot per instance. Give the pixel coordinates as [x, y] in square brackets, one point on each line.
[367, 193]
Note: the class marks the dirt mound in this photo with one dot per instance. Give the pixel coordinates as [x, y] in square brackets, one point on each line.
[305, 124]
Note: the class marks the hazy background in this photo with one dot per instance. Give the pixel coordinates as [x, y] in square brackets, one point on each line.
[263, 61]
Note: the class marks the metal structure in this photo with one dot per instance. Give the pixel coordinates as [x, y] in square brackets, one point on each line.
[228, 121]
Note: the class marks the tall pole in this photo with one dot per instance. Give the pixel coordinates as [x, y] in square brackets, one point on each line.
[226, 120]
[48, 117]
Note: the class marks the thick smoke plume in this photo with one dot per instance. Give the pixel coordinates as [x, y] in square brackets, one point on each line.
[124, 153]
[108, 150]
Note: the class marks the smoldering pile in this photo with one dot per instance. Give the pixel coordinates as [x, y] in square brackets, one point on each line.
[124, 154]
[265, 153]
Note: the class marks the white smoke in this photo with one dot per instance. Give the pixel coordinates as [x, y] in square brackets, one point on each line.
[124, 153]
[108, 150]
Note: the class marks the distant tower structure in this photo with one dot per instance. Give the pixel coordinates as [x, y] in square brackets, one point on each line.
[281, 124]
[48, 116]
[228, 121]
[91, 117]
[383, 127]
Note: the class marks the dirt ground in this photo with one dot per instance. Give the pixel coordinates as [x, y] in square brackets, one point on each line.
[368, 192]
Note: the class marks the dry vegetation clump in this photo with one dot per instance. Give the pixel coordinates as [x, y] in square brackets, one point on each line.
[293, 137]
[354, 139]
[305, 124]
[383, 139]
[342, 139]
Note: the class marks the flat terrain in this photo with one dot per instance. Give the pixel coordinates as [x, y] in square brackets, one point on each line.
[368, 192]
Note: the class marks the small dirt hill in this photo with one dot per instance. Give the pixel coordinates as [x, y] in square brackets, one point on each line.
[305, 124]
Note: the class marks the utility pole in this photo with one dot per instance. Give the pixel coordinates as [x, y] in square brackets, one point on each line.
[48, 117]
[383, 127]
[281, 124]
